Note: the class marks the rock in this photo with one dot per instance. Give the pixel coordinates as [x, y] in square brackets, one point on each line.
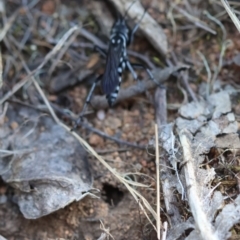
[14, 125]
[113, 122]
[96, 140]
[101, 115]
[52, 172]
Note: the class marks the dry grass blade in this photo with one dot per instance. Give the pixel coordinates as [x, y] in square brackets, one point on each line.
[106, 234]
[119, 176]
[4, 152]
[205, 62]
[62, 52]
[115, 139]
[10, 21]
[1, 69]
[135, 193]
[197, 22]
[3, 112]
[46, 59]
[8, 25]
[231, 14]
[158, 183]
[103, 236]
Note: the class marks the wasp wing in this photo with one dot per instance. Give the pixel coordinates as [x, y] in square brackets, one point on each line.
[110, 79]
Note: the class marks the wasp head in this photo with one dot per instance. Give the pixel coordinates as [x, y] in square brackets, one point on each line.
[120, 27]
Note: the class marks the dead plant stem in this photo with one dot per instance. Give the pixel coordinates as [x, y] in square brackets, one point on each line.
[158, 183]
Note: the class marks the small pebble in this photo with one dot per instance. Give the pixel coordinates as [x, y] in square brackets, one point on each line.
[101, 115]
[109, 131]
[3, 199]
[14, 125]
[113, 122]
[144, 163]
[129, 154]
[138, 167]
[95, 140]
[118, 159]
[3, 190]
[115, 154]
[91, 211]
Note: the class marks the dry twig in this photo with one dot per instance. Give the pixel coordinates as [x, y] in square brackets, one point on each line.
[140, 87]
[169, 197]
[83, 124]
[117, 140]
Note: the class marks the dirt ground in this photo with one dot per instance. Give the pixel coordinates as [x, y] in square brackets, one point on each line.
[122, 135]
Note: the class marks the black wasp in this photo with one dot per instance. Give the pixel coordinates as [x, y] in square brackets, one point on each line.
[116, 61]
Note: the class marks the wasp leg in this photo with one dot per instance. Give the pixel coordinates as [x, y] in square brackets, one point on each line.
[88, 99]
[102, 51]
[130, 68]
[140, 66]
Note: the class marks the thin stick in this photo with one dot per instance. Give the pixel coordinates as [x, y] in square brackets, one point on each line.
[117, 140]
[8, 25]
[212, 18]
[205, 62]
[168, 195]
[184, 76]
[44, 108]
[158, 183]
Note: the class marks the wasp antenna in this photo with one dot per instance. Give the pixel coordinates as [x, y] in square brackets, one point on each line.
[125, 15]
[137, 25]
[145, 10]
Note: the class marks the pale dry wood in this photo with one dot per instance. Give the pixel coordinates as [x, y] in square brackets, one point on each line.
[150, 28]
[203, 225]
[160, 103]
[164, 234]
